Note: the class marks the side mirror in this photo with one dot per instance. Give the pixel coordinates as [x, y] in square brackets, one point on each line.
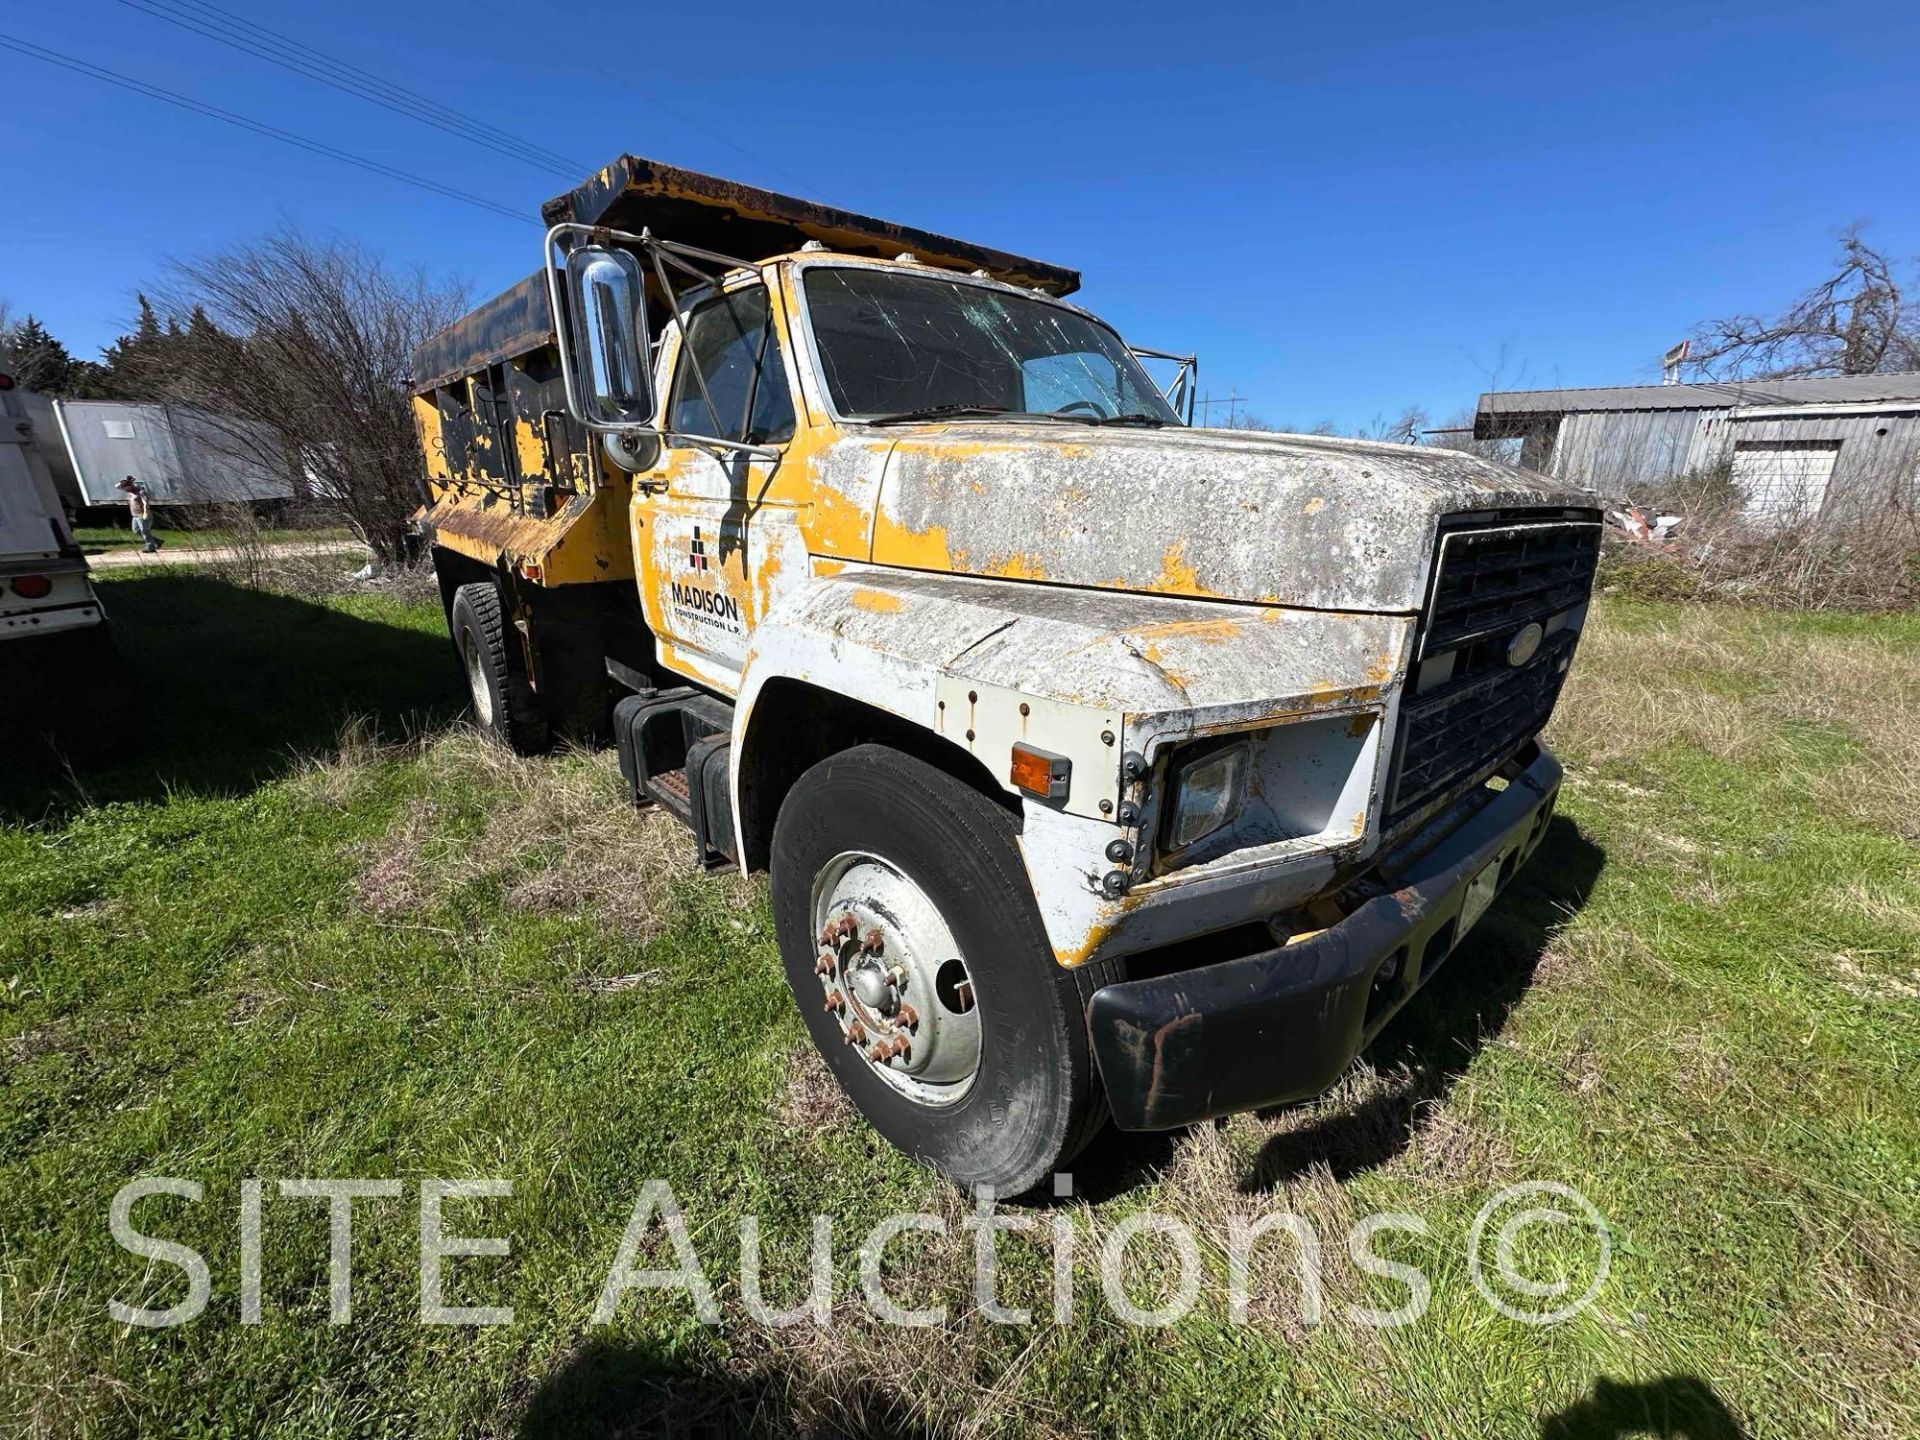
[605, 348]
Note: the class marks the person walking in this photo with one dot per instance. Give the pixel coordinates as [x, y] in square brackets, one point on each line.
[140, 508]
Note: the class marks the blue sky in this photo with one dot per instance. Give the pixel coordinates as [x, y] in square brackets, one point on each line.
[1345, 209]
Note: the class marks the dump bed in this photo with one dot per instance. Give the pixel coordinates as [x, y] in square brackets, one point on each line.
[704, 211]
[689, 208]
[515, 482]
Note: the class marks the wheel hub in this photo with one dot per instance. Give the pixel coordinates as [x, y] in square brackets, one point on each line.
[873, 987]
[885, 948]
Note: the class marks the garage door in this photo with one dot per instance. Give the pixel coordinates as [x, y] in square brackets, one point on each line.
[1783, 482]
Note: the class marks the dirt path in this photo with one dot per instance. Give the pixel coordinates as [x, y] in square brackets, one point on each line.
[183, 555]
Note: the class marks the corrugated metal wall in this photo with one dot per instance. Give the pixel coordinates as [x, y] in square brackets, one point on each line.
[1878, 459]
[1621, 450]
[1618, 450]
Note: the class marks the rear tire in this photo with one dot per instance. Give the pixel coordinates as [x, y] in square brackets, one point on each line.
[931, 847]
[503, 701]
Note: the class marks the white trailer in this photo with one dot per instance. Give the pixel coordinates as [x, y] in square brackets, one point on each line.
[183, 456]
[56, 651]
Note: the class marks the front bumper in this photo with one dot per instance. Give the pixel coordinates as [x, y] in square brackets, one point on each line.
[1282, 1024]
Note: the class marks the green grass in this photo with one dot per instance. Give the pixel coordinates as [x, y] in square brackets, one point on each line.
[223, 958]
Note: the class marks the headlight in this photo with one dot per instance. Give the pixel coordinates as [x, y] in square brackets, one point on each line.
[1207, 793]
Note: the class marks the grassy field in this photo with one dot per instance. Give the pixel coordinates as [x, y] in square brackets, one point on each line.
[310, 926]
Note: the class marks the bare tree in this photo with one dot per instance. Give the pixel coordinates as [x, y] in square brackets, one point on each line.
[1404, 429]
[1855, 322]
[1457, 434]
[305, 342]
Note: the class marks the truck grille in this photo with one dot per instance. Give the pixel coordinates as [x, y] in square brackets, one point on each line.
[1466, 707]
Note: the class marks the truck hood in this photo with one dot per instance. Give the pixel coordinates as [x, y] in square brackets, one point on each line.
[1222, 514]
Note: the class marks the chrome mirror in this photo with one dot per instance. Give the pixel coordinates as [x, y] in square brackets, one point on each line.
[605, 350]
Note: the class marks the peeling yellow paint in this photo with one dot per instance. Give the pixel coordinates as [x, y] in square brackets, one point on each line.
[878, 602]
[1176, 574]
[1019, 567]
[894, 544]
[1217, 631]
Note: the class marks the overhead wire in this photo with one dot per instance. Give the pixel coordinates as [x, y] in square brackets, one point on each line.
[258, 127]
[250, 38]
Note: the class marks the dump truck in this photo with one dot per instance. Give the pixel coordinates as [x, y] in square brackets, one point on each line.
[1101, 765]
[71, 690]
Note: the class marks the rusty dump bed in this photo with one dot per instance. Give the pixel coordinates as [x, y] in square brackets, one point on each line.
[513, 323]
[712, 214]
[702, 210]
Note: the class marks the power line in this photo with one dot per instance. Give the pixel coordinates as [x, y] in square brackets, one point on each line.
[237, 33]
[285, 137]
[1233, 401]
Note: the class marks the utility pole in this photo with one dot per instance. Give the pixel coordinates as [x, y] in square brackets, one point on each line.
[1232, 402]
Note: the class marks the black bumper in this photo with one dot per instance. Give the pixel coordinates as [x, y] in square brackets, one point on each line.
[1281, 1025]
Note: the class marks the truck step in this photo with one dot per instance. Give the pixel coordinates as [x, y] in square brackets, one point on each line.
[670, 788]
[675, 749]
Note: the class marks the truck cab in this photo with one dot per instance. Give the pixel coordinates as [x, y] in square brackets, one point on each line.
[1101, 765]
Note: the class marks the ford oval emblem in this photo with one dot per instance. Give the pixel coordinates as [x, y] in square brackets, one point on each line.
[1525, 644]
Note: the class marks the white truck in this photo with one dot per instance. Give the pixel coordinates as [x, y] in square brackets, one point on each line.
[66, 683]
[934, 607]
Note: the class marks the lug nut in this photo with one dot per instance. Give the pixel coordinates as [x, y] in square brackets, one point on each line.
[836, 1002]
[824, 965]
[873, 942]
[908, 1016]
[856, 1034]
[878, 1054]
[845, 928]
[827, 935]
[900, 1047]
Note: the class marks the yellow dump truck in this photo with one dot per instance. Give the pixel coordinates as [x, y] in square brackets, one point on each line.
[1101, 764]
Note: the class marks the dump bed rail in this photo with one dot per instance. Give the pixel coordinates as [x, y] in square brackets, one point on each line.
[734, 219]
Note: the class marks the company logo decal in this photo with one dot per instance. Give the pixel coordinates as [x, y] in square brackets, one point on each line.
[1524, 645]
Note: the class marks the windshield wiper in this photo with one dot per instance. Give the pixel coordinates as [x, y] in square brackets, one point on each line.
[1131, 417]
[938, 412]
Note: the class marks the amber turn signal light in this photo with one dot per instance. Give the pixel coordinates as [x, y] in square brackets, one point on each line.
[1040, 772]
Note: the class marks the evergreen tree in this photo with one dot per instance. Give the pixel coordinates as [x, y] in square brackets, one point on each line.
[39, 362]
[135, 367]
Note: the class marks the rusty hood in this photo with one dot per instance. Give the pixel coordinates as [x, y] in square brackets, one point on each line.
[1271, 519]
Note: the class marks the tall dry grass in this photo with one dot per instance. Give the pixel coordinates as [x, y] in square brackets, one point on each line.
[1839, 713]
[557, 834]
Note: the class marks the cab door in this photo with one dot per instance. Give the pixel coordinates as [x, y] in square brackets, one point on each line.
[712, 539]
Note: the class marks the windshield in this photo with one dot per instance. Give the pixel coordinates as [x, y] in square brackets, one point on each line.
[896, 346]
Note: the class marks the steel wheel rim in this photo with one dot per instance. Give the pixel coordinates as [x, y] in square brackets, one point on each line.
[477, 683]
[887, 964]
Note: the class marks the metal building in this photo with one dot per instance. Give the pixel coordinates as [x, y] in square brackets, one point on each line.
[1837, 448]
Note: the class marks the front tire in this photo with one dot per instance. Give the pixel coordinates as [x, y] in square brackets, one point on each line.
[900, 890]
[503, 702]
